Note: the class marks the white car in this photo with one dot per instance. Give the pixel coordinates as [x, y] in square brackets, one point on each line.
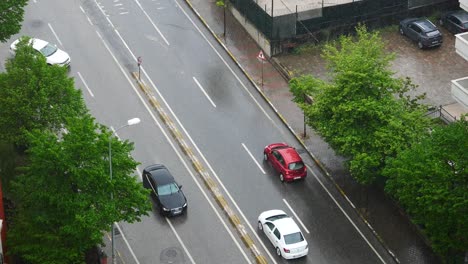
[53, 55]
[283, 233]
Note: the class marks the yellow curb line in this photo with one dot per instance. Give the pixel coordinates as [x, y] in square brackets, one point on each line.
[209, 182]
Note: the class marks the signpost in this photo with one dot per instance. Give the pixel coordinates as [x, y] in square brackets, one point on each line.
[262, 59]
[1, 248]
[139, 61]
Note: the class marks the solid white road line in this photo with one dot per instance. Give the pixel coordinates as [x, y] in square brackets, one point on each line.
[168, 138]
[226, 191]
[253, 158]
[297, 217]
[204, 92]
[347, 216]
[180, 240]
[126, 243]
[225, 63]
[370, 245]
[105, 15]
[87, 17]
[152, 23]
[53, 31]
[82, 80]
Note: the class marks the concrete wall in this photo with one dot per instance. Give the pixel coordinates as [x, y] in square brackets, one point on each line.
[258, 36]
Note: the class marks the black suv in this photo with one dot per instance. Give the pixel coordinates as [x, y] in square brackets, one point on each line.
[422, 31]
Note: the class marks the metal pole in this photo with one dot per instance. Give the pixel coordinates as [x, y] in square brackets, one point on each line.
[304, 118]
[139, 72]
[130, 122]
[262, 73]
[112, 194]
[224, 18]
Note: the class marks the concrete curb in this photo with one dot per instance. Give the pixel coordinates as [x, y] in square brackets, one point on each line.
[319, 164]
[197, 165]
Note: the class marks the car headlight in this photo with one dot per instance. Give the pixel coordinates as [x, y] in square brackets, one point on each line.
[185, 205]
[165, 209]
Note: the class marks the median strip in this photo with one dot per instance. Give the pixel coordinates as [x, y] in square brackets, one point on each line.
[197, 165]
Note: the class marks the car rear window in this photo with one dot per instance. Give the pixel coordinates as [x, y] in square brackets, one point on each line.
[293, 238]
[433, 33]
[296, 165]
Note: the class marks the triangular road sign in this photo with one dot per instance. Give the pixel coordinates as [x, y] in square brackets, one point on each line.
[260, 56]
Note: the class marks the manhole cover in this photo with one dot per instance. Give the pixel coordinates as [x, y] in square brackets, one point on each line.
[172, 255]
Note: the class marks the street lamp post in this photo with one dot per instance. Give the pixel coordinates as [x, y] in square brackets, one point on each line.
[130, 122]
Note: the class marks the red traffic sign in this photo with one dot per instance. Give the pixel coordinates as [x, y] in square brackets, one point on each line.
[260, 56]
[139, 60]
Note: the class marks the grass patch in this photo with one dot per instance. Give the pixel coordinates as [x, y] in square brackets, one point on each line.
[308, 48]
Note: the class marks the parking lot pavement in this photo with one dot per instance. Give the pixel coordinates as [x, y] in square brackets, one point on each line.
[431, 69]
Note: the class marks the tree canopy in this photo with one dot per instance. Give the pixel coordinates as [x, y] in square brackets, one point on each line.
[362, 112]
[11, 16]
[35, 95]
[430, 180]
[64, 203]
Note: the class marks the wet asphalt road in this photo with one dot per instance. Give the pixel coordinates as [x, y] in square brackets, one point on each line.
[218, 110]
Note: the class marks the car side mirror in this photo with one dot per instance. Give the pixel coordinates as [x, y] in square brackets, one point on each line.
[180, 186]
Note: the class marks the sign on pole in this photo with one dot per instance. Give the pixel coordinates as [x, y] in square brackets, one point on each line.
[262, 59]
[260, 56]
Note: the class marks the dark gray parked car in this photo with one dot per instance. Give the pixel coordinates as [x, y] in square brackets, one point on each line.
[422, 31]
[455, 21]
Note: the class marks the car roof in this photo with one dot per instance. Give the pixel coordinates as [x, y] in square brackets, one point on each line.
[289, 154]
[160, 174]
[425, 24]
[286, 226]
[460, 14]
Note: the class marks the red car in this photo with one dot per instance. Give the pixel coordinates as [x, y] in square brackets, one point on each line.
[286, 161]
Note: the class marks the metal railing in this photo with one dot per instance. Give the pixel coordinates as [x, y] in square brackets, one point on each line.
[441, 113]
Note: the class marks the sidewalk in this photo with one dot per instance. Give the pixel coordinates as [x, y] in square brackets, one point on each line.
[392, 227]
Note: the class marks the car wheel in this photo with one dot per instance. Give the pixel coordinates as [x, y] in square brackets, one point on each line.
[401, 31]
[278, 251]
[265, 156]
[260, 226]
[420, 45]
[281, 177]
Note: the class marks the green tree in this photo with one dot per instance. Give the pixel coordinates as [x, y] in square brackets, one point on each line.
[34, 95]
[430, 180]
[362, 112]
[64, 203]
[11, 16]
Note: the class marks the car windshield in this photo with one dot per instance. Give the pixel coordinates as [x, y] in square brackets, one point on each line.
[296, 165]
[276, 217]
[293, 238]
[168, 189]
[48, 50]
[465, 25]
